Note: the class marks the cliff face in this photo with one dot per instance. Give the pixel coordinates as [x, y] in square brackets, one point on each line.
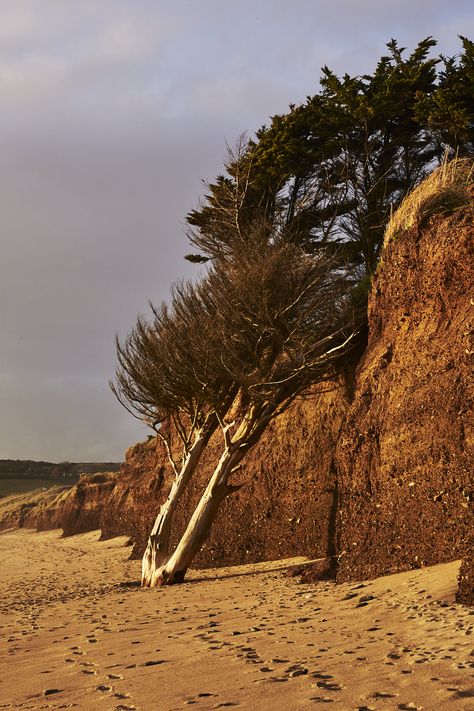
[22, 510]
[143, 484]
[285, 506]
[405, 454]
[79, 510]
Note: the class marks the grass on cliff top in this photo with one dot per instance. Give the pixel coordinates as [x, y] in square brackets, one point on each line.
[445, 190]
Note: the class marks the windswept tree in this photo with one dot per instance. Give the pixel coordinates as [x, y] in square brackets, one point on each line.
[282, 323]
[268, 323]
[179, 398]
[295, 222]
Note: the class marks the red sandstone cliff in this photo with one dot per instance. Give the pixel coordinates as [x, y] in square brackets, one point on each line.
[405, 454]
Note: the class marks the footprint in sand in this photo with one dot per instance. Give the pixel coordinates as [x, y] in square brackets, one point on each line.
[296, 670]
[330, 685]
[49, 692]
[153, 662]
[203, 695]
[324, 700]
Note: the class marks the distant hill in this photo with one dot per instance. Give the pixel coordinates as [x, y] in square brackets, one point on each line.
[68, 472]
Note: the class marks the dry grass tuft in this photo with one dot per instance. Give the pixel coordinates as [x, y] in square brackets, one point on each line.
[445, 190]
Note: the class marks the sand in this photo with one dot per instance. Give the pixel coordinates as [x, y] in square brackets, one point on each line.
[78, 632]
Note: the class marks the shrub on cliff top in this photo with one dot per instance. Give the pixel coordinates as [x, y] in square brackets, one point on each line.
[445, 190]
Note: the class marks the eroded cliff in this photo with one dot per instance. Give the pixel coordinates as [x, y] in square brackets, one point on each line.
[405, 454]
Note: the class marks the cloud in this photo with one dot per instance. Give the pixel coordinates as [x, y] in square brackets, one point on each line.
[111, 115]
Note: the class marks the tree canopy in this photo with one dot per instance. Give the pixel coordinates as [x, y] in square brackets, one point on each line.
[331, 170]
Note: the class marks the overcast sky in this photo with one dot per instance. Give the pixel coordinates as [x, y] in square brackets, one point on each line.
[112, 111]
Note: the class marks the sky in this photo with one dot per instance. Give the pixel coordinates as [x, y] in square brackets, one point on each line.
[112, 115]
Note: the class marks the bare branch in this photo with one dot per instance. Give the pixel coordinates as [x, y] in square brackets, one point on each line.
[169, 453]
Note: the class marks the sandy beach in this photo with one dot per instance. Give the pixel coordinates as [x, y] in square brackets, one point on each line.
[78, 632]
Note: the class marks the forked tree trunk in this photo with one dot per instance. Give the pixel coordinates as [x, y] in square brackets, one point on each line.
[199, 527]
[157, 550]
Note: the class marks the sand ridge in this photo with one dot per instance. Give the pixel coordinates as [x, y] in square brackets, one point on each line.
[78, 632]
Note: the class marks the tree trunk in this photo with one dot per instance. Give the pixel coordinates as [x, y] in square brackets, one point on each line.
[157, 550]
[199, 527]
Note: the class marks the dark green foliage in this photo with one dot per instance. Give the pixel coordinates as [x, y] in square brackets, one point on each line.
[449, 111]
[330, 171]
[196, 258]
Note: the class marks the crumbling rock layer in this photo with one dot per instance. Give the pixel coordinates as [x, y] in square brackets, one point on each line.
[404, 457]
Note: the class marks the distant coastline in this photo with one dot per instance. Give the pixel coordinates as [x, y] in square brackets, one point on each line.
[11, 486]
[22, 475]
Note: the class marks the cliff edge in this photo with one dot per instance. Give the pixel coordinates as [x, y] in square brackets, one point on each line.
[404, 457]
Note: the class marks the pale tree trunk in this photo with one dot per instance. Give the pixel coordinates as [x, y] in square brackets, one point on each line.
[199, 527]
[157, 550]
